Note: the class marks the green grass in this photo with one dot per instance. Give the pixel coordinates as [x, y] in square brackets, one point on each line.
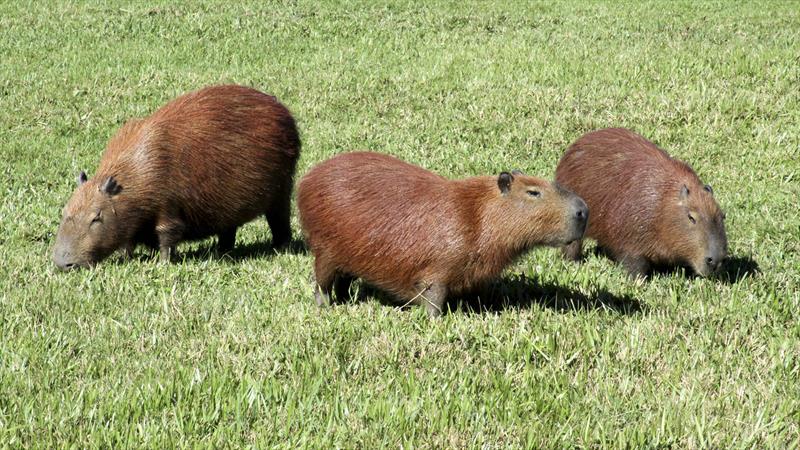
[231, 352]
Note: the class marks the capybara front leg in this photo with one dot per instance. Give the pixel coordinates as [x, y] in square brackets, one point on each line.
[225, 241]
[573, 251]
[169, 232]
[637, 266]
[432, 298]
[324, 273]
[278, 218]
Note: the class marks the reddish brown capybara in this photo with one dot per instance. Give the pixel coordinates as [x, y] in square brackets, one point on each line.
[422, 237]
[202, 165]
[648, 209]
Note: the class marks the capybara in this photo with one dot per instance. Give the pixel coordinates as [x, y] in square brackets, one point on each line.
[648, 209]
[202, 165]
[420, 236]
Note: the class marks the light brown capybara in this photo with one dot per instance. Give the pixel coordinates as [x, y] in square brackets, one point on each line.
[422, 237]
[202, 165]
[648, 209]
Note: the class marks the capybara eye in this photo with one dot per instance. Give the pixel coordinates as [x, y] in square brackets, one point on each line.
[536, 194]
[691, 219]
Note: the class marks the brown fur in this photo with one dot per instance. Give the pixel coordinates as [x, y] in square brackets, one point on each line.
[420, 236]
[202, 165]
[640, 210]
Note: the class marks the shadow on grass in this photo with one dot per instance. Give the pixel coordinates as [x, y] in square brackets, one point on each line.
[241, 252]
[736, 268]
[733, 270]
[518, 292]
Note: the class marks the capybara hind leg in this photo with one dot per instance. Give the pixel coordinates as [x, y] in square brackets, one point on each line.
[324, 274]
[279, 222]
[169, 232]
[226, 240]
[341, 286]
[573, 251]
[432, 298]
[637, 266]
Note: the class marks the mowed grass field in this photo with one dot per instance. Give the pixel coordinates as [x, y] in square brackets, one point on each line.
[232, 351]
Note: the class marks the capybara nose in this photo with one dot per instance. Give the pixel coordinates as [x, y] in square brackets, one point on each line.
[713, 263]
[581, 211]
[65, 265]
[63, 262]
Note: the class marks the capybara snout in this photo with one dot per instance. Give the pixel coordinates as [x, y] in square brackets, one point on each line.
[717, 251]
[577, 212]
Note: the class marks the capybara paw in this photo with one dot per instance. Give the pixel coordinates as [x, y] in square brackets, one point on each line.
[323, 299]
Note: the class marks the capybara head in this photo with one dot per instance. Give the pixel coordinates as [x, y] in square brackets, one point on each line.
[696, 226]
[539, 212]
[90, 229]
[699, 225]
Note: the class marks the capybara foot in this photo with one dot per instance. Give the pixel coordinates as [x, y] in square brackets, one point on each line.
[433, 298]
[323, 299]
[280, 226]
[167, 254]
[573, 251]
[637, 266]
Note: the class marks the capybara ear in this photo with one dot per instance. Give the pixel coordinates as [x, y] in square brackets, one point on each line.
[504, 182]
[708, 189]
[684, 192]
[517, 172]
[82, 178]
[110, 186]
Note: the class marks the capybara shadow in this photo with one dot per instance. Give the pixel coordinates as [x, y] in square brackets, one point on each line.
[654, 270]
[733, 269]
[251, 250]
[521, 292]
[210, 250]
[514, 292]
[737, 268]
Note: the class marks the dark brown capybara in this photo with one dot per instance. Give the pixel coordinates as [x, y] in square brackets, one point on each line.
[422, 237]
[648, 209]
[202, 165]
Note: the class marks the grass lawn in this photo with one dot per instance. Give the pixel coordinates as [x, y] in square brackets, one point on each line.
[233, 351]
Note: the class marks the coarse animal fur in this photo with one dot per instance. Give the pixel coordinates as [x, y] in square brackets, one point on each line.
[202, 165]
[420, 236]
[647, 207]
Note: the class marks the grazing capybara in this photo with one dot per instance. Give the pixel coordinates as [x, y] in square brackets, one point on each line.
[647, 207]
[422, 237]
[202, 165]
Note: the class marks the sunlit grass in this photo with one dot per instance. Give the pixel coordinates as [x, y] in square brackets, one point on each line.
[233, 351]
